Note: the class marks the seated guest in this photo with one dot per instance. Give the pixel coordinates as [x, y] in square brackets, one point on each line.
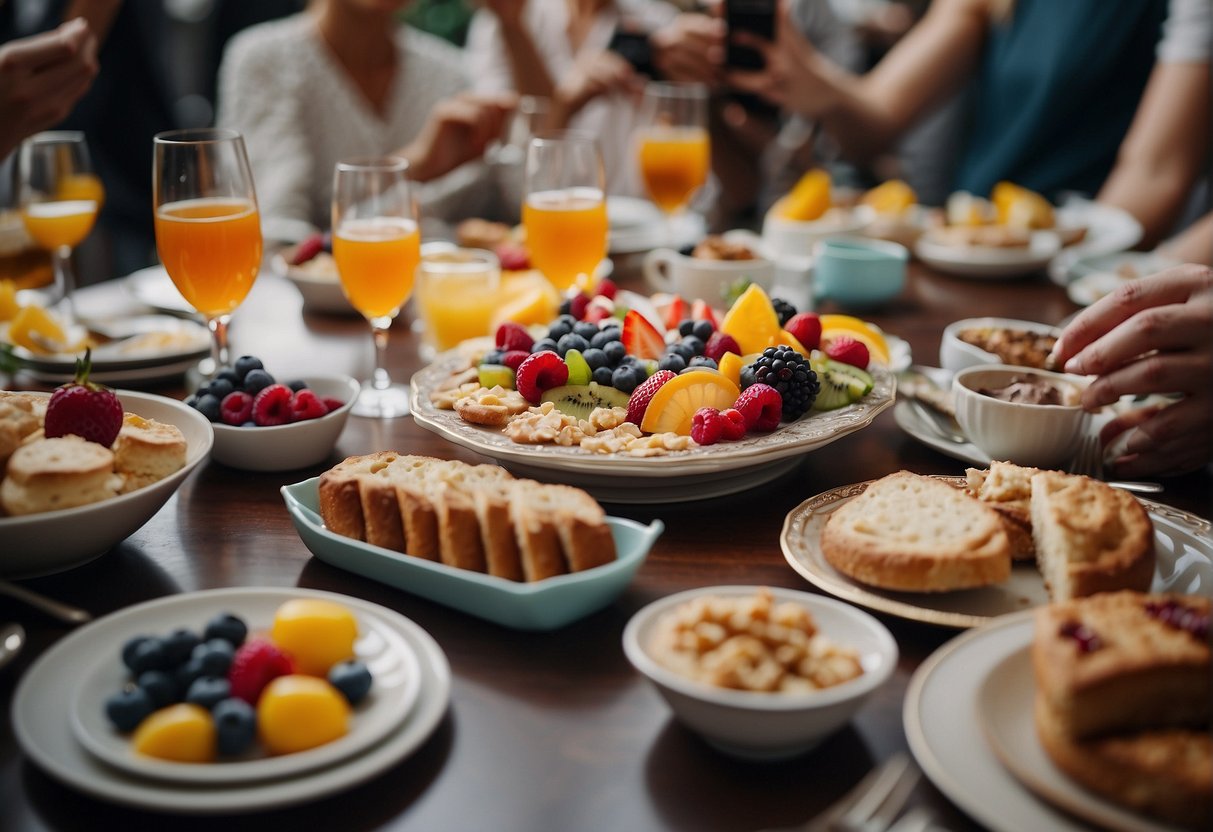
[345, 79]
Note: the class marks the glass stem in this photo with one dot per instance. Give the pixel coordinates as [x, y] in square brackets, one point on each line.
[380, 327]
[65, 283]
[219, 355]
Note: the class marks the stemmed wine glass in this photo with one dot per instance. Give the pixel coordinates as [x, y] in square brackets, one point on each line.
[672, 144]
[59, 195]
[564, 208]
[208, 229]
[377, 246]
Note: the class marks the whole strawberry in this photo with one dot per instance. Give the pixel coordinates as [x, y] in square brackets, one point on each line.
[83, 408]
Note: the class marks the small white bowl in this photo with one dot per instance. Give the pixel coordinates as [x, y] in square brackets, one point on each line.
[41, 544]
[1039, 435]
[767, 726]
[955, 354]
[795, 238]
[293, 445]
[319, 286]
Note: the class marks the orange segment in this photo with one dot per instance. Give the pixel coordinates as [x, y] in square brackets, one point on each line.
[184, 733]
[808, 199]
[526, 298]
[834, 325]
[8, 300]
[675, 403]
[296, 713]
[33, 321]
[892, 197]
[1019, 207]
[316, 633]
[787, 339]
[752, 320]
[731, 365]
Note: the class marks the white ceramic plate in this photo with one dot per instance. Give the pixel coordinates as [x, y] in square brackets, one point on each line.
[154, 288]
[44, 695]
[985, 263]
[694, 474]
[41, 544]
[1109, 229]
[1004, 709]
[392, 662]
[1183, 546]
[1094, 277]
[638, 225]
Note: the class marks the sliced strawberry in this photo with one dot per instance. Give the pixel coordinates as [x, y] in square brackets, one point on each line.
[718, 344]
[701, 310]
[513, 336]
[846, 349]
[761, 405]
[676, 312]
[539, 372]
[707, 426]
[642, 395]
[734, 424]
[640, 338]
[306, 405]
[257, 663]
[805, 327]
[307, 249]
[596, 313]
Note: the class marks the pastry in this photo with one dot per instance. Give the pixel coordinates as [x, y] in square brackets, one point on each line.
[53, 474]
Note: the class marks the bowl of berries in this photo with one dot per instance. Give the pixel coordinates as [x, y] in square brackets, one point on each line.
[310, 266]
[262, 424]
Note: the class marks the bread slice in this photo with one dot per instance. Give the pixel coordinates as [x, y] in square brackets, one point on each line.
[340, 490]
[1089, 537]
[580, 523]
[917, 534]
[59, 473]
[1007, 489]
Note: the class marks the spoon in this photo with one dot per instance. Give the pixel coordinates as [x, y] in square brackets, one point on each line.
[57, 609]
[12, 637]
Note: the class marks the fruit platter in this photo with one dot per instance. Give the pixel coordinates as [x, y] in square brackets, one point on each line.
[652, 399]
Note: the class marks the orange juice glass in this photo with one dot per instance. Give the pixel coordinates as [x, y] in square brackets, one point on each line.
[674, 164]
[566, 233]
[377, 260]
[60, 223]
[457, 294]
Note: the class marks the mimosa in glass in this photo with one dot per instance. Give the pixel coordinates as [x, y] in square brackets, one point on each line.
[672, 147]
[457, 294]
[377, 245]
[208, 229]
[564, 209]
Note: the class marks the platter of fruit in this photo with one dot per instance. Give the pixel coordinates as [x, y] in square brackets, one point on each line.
[641, 399]
[305, 658]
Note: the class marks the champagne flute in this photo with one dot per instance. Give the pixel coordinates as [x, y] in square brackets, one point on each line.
[377, 245]
[564, 208]
[59, 195]
[208, 229]
[672, 144]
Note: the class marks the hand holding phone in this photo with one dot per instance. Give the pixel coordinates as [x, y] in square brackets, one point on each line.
[756, 17]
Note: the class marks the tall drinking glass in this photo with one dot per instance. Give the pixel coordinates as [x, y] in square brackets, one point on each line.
[564, 208]
[377, 245]
[208, 230]
[59, 195]
[672, 145]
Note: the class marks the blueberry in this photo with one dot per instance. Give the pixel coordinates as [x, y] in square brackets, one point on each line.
[228, 374]
[188, 672]
[245, 364]
[686, 327]
[235, 726]
[127, 708]
[603, 375]
[179, 644]
[673, 362]
[585, 329]
[703, 361]
[352, 678]
[572, 341]
[208, 406]
[129, 648]
[220, 387]
[544, 344]
[629, 361]
[208, 691]
[297, 385]
[695, 344]
[256, 381]
[492, 357]
[703, 330]
[160, 686]
[595, 358]
[226, 626]
[683, 350]
[627, 378]
[747, 377]
[149, 655]
[191, 400]
[560, 327]
[215, 656]
[615, 351]
[566, 306]
[604, 337]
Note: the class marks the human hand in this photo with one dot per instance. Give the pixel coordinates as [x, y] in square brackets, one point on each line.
[603, 73]
[1152, 335]
[41, 79]
[690, 48]
[458, 130]
[507, 11]
[793, 77]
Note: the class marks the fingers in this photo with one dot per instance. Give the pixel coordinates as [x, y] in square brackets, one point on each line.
[1175, 327]
[1154, 373]
[1124, 422]
[32, 53]
[765, 84]
[1185, 421]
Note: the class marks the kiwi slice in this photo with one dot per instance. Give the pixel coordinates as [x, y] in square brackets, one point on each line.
[579, 400]
[841, 385]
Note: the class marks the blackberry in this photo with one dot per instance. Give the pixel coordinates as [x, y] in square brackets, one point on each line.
[788, 372]
[783, 309]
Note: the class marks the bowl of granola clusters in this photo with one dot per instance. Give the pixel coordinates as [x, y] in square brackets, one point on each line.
[760, 673]
[974, 341]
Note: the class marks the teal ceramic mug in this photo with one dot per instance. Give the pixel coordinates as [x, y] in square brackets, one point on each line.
[854, 271]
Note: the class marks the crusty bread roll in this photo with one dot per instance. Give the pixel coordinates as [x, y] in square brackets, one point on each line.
[53, 474]
[1089, 537]
[918, 534]
[1007, 489]
[147, 451]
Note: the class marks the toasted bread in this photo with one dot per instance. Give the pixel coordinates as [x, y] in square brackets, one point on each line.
[1007, 489]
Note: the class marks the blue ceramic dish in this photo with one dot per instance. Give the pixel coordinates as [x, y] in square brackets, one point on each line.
[542, 605]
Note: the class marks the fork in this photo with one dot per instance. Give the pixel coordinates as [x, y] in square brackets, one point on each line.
[1088, 460]
[872, 805]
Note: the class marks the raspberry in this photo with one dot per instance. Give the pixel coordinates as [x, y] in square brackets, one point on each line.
[272, 406]
[305, 405]
[539, 372]
[83, 408]
[308, 249]
[512, 336]
[790, 374]
[255, 665]
[513, 256]
[607, 288]
[578, 303]
[514, 358]
[805, 328]
[707, 426]
[734, 424]
[237, 408]
[332, 404]
[642, 395]
[719, 343]
[761, 405]
[846, 349]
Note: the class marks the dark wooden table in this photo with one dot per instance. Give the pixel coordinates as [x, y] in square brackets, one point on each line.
[545, 731]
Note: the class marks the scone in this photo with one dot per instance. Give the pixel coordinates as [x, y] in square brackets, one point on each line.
[53, 474]
[1089, 537]
[917, 534]
[17, 421]
[147, 451]
[1007, 489]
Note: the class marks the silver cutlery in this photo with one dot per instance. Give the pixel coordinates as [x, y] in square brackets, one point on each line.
[1089, 461]
[12, 637]
[56, 609]
[873, 805]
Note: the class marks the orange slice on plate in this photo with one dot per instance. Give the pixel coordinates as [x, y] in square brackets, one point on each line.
[808, 199]
[526, 298]
[752, 320]
[891, 197]
[834, 325]
[673, 406]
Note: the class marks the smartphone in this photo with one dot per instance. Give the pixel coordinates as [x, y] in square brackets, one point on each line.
[633, 47]
[757, 16]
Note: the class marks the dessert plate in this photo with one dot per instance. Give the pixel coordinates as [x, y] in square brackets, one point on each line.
[1004, 709]
[694, 474]
[1109, 229]
[984, 263]
[1184, 563]
[1093, 277]
[45, 693]
[154, 288]
[391, 660]
[542, 605]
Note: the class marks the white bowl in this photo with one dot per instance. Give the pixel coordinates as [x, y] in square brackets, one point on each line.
[955, 354]
[795, 238]
[293, 445]
[767, 726]
[320, 288]
[1039, 435]
[41, 544]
